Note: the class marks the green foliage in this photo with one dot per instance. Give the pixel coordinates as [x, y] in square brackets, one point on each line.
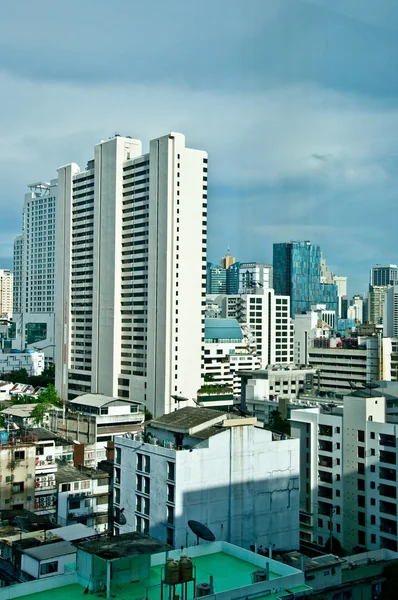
[49, 396]
[41, 409]
[215, 388]
[148, 415]
[209, 377]
[20, 376]
[47, 377]
[277, 423]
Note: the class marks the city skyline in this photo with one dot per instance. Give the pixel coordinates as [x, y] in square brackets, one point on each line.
[302, 146]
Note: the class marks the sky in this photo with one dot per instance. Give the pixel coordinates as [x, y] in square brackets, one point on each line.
[296, 102]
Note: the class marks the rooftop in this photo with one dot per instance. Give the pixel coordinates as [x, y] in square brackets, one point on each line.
[223, 329]
[68, 473]
[188, 419]
[72, 533]
[51, 550]
[127, 544]
[96, 400]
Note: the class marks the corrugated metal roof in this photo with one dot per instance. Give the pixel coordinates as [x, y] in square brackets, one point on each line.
[223, 329]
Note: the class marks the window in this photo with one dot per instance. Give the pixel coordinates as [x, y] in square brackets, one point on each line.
[142, 504]
[361, 519]
[337, 429]
[361, 452]
[142, 525]
[143, 484]
[372, 519]
[361, 435]
[74, 504]
[361, 501]
[117, 495]
[361, 538]
[118, 477]
[143, 463]
[170, 536]
[76, 485]
[372, 435]
[65, 487]
[85, 485]
[361, 485]
[320, 523]
[170, 493]
[361, 468]
[50, 567]
[373, 541]
[19, 455]
[104, 411]
[170, 515]
[171, 471]
[118, 456]
[18, 487]
[372, 485]
[373, 501]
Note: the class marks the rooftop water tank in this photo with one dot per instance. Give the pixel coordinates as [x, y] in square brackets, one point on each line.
[172, 572]
[202, 589]
[186, 568]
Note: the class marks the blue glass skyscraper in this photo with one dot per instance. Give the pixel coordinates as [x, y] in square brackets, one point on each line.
[216, 279]
[297, 273]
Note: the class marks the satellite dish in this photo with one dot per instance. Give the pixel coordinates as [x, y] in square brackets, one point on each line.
[201, 531]
[371, 385]
[120, 517]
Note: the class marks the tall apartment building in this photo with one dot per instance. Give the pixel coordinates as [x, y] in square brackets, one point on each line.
[34, 268]
[17, 272]
[376, 298]
[6, 289]
[267, 319]
[348, 463]
[390, 312]
[383, 275]
[341, 283]
[297, 270]
[228, 473]
[131, 272]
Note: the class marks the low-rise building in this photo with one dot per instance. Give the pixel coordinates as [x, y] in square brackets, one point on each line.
[227, 472]
[47, 560]
[15, 360]
[17, 481]
[83, 497]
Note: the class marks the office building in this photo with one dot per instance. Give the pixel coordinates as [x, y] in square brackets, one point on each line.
[31, 361]
[254, 275]
[17, 272]
[6, 291]
[131, 272]
[314, 324]
[348, 458]
[227, 260]
[341, 283]
[216, 279]
[33, 319]
[383, 275]
[229, 473]
[297, 273]
[341, 362]
[390, 312]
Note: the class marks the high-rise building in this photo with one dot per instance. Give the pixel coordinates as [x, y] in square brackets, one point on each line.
[390, 314]
[227, 260]
[17, 272]
[131, 272]
[216, 279]
[376, 299]
[6, 286]
[297, 273]
[34, 268]
[341, 283]
[384, 275]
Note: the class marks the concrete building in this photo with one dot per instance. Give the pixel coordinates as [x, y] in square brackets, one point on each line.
[33, 317]
[254, 275]
[17, 483]
[48, 560]
[131, 272]
[227, 473]
[341, 283]
[6, 292]
[376, 298]
[17, 272]
[82, 497]
[384, 275]
[30, 360]
[340, 362]
[227, 260]
[348, 458]
[227, 352]
[308, 327]
[390, 314]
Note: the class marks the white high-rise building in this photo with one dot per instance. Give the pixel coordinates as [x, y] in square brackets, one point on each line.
[254, 275]
[17, 269]
[131, 272]
[6, 285]
[341, 283]
[383, 275]
[34, 269]
[390, 316]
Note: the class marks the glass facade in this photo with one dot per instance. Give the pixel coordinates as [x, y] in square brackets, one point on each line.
[216, 279]
[297, 273]
[233, 278]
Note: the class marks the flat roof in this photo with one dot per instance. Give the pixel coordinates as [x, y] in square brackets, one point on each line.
[51, 550]
[68, 473]
[223, 329]
[120, 546]
[188, 418]
[75, 532]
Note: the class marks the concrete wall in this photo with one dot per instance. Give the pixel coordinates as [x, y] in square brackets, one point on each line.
[32, 566]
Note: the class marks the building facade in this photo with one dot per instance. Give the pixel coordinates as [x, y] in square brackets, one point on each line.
[6, 292]
[376, 298]
[216, 279]
[131, 272]
[390, 312]
[17, 272]
[384, 275]
[229, 474]
[297, 273]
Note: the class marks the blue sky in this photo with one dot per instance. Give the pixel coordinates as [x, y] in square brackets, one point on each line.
[295, 101]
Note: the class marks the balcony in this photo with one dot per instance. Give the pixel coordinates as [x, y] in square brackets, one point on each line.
[388, 508]
[324, 492]
[388, 457]
[388, 474]
[324, 509]
[325, 430]
[325, 461]
[389, 491]
[387, 440]
[325, 446]
[388, 526]
[325, 477]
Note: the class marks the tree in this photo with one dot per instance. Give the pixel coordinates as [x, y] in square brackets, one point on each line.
[49, 396]
[41, 409]
[277, 423]
[20, 376]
